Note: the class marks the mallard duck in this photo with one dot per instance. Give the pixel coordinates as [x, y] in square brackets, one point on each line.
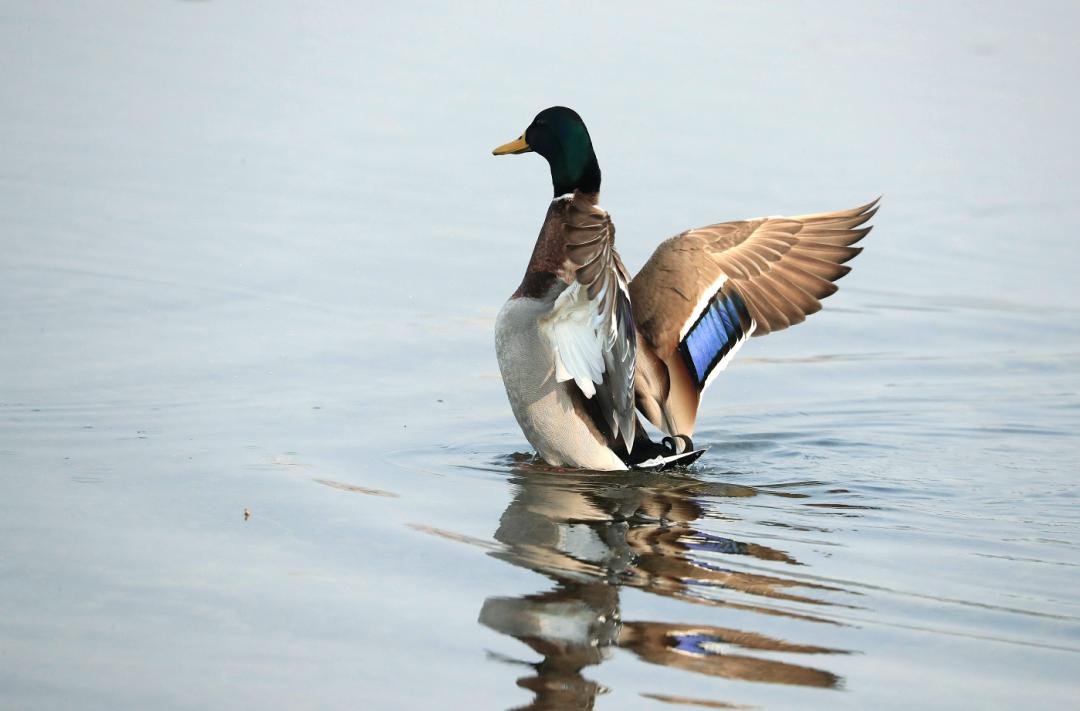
[583, 347]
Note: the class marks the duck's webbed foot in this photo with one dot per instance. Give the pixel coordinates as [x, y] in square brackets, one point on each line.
[678, 444]
[668, 452]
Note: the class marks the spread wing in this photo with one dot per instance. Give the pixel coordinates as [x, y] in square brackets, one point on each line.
[591, 325]
[705, 291]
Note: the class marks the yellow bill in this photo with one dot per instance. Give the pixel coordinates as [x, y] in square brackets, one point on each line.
[516, 146]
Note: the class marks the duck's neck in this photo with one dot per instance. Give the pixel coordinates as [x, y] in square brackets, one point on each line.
[578, 171]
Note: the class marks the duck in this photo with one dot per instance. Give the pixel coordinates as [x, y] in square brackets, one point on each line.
[586, 350]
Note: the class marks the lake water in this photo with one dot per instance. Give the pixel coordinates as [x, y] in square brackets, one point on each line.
[252, 256]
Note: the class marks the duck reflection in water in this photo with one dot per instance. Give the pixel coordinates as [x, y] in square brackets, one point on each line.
[592, 533]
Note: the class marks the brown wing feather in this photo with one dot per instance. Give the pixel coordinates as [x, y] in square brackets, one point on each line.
[590, 259]
[782, 267]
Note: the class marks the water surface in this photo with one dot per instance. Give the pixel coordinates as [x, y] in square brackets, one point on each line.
[252, 255]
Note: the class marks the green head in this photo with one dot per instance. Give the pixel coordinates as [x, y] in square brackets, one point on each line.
[560, 136]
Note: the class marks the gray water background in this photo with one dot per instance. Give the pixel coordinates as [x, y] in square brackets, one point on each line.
[251, 258]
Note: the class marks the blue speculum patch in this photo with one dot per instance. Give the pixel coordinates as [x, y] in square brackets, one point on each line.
[718, 328]
[694, 643]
